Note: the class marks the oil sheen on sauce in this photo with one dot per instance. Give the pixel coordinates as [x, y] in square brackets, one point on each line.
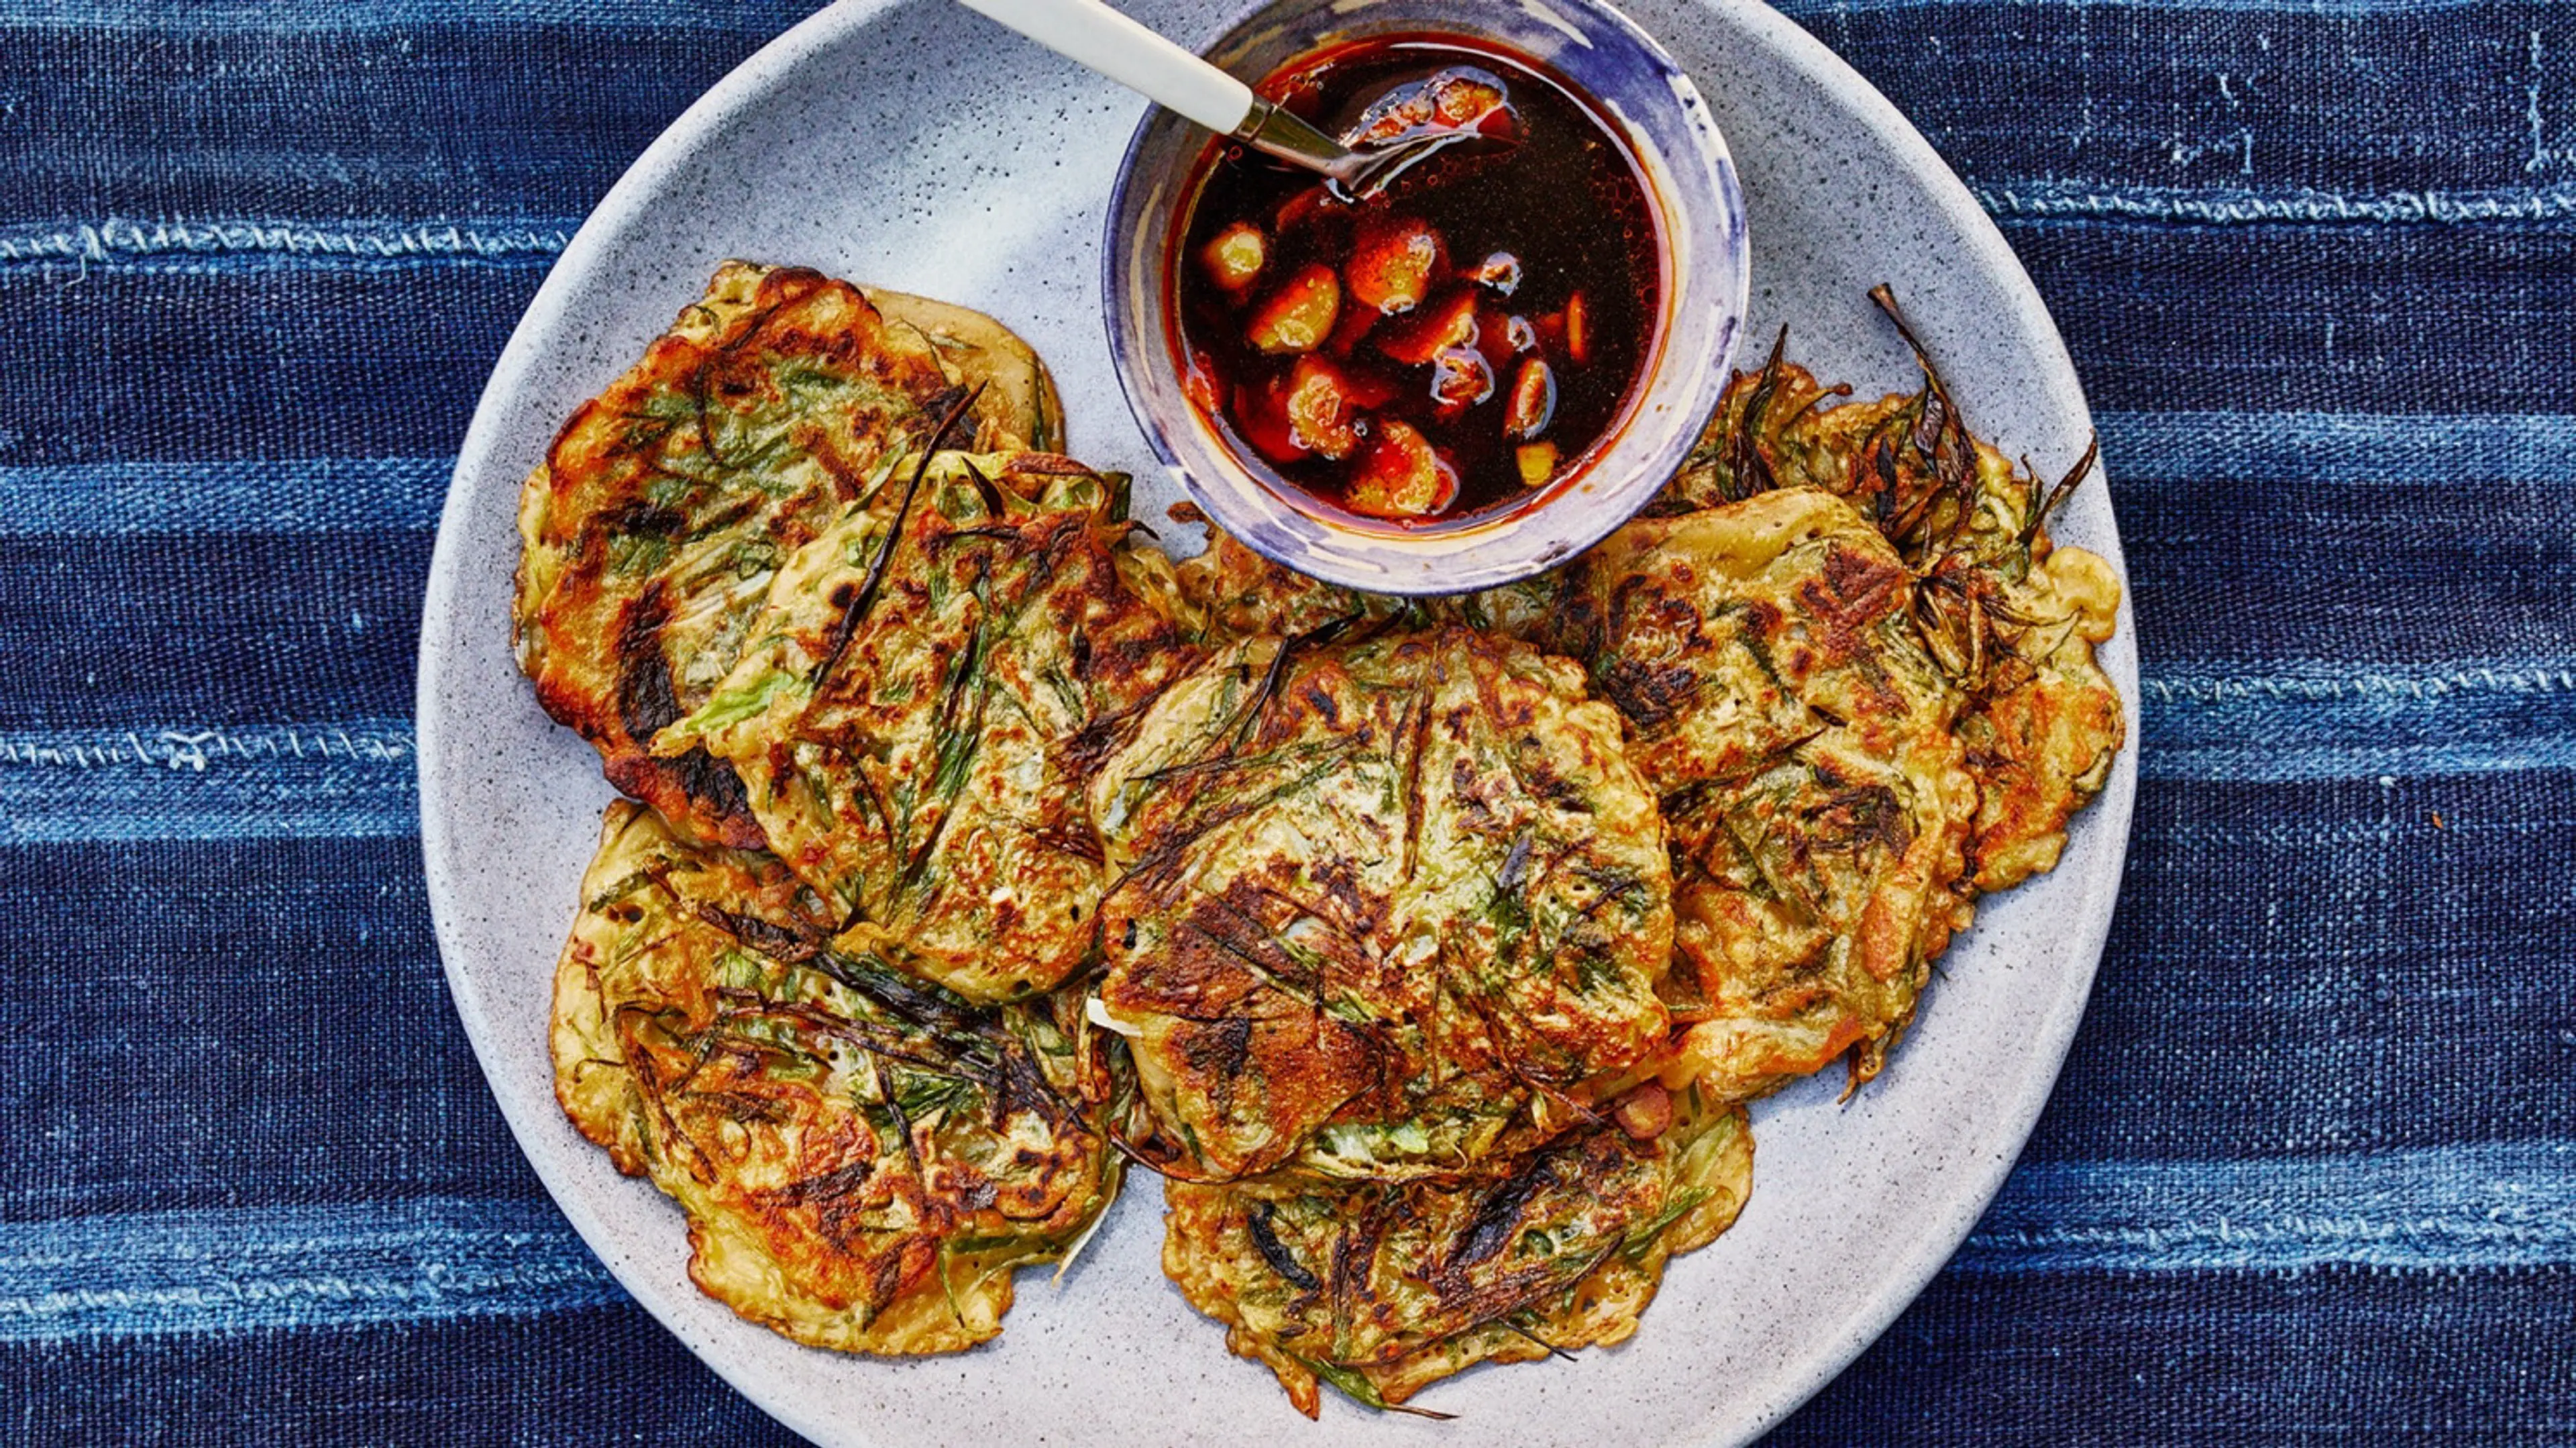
[1443, 350]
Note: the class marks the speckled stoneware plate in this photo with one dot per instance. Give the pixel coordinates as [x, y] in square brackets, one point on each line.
[917, 146]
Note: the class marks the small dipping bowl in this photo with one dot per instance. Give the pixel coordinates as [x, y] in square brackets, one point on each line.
[1637, 91]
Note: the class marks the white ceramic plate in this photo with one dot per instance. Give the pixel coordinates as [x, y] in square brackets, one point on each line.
[916, 146]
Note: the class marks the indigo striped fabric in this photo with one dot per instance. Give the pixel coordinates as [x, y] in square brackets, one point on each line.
[2310, 1176]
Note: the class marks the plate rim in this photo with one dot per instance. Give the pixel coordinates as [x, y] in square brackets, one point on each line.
[1905, 1276]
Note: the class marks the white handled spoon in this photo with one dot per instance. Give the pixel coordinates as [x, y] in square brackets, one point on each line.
[1090, 33]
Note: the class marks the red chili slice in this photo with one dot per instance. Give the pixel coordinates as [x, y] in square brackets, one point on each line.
[1401, 475]
[1460, 378]
[1394, 265]
[1321, 415]
[1533, 401]
[1447, 323]
[1469, 100]
[1499, 273]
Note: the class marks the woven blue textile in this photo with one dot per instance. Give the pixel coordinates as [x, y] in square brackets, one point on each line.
[2310, 1177]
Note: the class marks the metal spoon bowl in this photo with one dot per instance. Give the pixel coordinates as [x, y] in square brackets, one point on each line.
[1091, 34]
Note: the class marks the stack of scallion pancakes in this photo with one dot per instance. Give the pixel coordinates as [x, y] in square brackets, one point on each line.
[1429, 950]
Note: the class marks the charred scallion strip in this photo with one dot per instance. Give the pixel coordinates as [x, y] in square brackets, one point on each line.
[1513, 1324]
[1748, 471]
[1641, 1238]
[2058, 494]
[1356, 1387]
[1265, 1240]
[857, 612]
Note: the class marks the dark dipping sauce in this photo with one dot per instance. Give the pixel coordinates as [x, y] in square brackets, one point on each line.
[1447, 348]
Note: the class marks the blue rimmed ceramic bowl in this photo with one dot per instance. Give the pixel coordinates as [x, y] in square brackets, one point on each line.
[1639, 92]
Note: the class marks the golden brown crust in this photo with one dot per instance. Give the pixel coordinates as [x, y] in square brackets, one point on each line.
[862, 1161]
[2013, 618]
[665, 504]
[921, 703]
[1386, 904]
[1384, 1289]
[1019, 407]
[2042, 744]
[1801, 741]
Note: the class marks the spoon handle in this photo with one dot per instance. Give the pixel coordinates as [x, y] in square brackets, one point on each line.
[1089, 32]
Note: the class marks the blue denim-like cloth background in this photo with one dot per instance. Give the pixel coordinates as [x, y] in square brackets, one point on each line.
[2310, 1177]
